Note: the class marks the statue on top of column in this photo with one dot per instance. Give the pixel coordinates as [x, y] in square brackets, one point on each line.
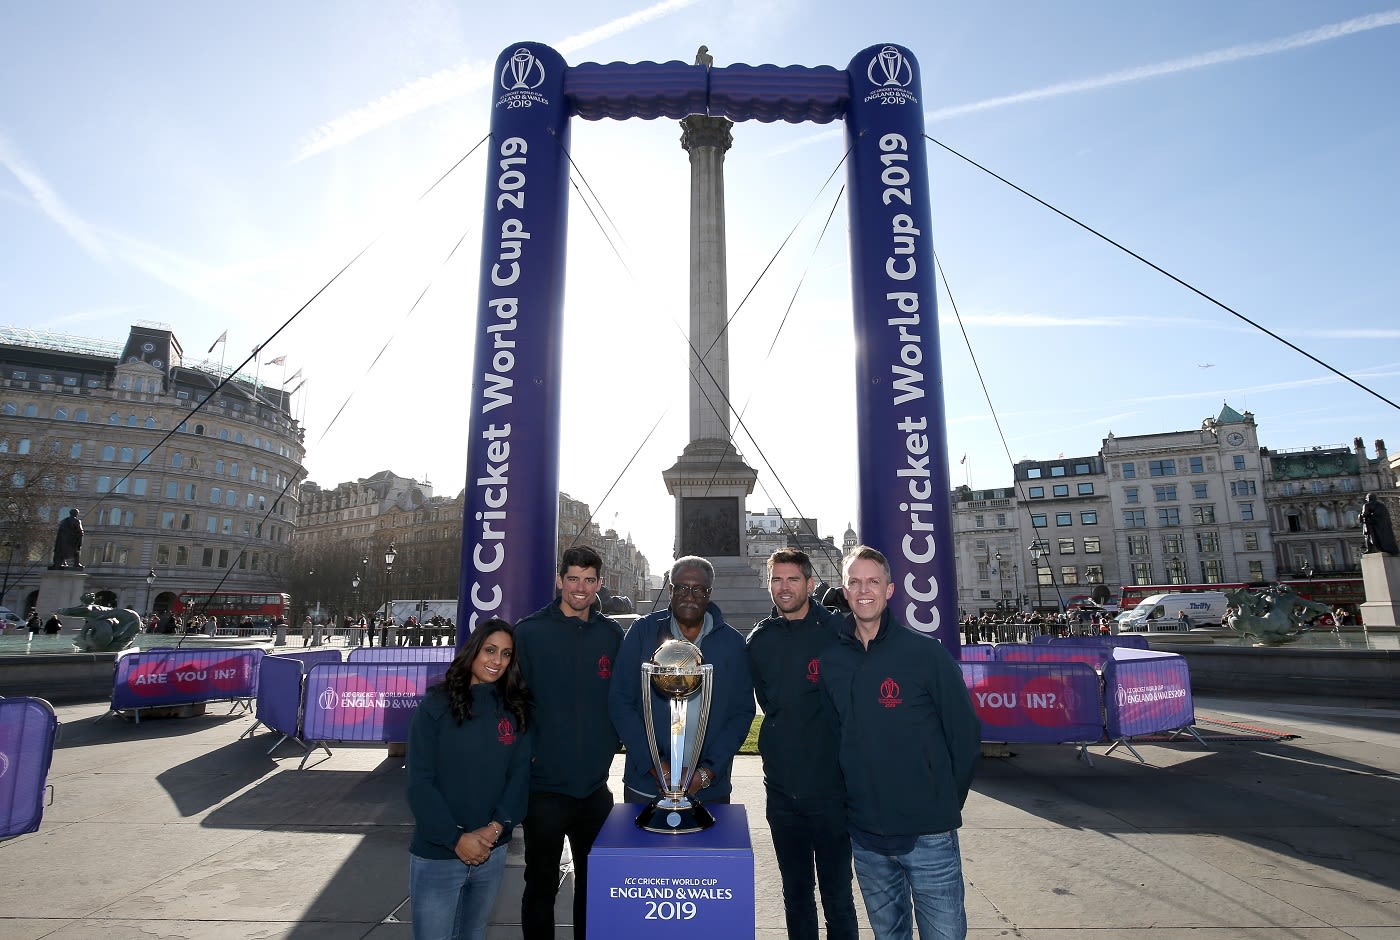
[1376, 533]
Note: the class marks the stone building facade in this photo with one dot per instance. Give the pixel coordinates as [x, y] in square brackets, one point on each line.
[181, 472]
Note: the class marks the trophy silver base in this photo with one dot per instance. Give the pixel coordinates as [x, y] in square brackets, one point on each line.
[675, 816]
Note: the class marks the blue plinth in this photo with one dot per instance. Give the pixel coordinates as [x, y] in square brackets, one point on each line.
[643, 884]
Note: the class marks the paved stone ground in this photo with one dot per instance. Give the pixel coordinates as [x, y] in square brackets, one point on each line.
[181, 828]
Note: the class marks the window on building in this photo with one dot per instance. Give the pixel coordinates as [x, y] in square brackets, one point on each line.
[167, 520]
[262, 504]
[1251, 543]
[1164, 493]
[1033, 473]
[211, 525]
[1203, 515]
[984, 570]
[1135, 518]
[979, 521]
[1038, 520]
[1093, 574]
[1130, 494]
[1169, 516]
[1242, 488]
[223, 558]
[1091, 545]
[1173, 543]
[1161, 468]
[1142, 572]
[215, 494]
[1045, 575]
[1256, 571]
[1057, 471]
[177, 459]
[1085, 489]
[1137, 545]
[1200, 491]
[109, 453]
[1176, 571]
[1064, 518]
[75, 451]
[182, 555]
[186, 520]
[228, 525]
[207, 558]
[1037, 492]
[1060, 489]
[1129, 471]
[1069, 574]
[1208, 541]
[1212, 571]
[1239, 461]
[1066, 546]
[1294, 522]
[1089, 517]
[1198, 465]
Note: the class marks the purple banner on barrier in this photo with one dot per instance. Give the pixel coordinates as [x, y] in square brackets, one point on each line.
[184, 676]
[364, 701]
[311, 657]
[402, 654]
[279, 693]
[1038, 703]
[1146, 692]
[1020, 653]
[977, 653]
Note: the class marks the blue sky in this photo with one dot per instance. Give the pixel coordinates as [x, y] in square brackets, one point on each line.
[210, 167]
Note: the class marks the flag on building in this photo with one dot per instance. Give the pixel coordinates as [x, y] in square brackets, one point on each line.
[276, 362]
[222, 338]
[295, 376]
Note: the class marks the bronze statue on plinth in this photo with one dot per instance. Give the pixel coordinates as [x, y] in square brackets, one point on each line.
[68, 543]
[1376, 533]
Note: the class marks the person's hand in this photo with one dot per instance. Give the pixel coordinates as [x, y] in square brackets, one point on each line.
[474, 847]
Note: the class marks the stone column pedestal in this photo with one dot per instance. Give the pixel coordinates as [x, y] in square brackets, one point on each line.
[58, 589]
[1381, 576]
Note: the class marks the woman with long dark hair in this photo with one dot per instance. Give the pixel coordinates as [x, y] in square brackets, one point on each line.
[468, 785]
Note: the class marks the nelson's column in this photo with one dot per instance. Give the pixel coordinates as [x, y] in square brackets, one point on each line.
[710, 480]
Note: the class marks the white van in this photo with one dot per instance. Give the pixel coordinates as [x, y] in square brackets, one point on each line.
[1158, 613]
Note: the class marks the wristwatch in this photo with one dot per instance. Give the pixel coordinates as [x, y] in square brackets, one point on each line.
[706, 777]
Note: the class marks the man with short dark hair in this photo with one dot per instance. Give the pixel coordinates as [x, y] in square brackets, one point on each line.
[798, 742]
[692, 617]
[567, 652]
[910, 742]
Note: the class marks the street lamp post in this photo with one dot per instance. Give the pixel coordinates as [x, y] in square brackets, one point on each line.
[389, 555]
[355, 620]
[1038, 551]
[150, 583]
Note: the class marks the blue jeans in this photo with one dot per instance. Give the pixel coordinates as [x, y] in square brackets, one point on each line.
[931, 872]
[807, 831]
[453, 900]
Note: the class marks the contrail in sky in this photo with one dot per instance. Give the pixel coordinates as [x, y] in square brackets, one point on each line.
[50, 203]
[456, 82]
[1251, 50]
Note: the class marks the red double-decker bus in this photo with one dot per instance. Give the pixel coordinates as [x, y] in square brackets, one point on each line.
[261, 608]
[1334, 592]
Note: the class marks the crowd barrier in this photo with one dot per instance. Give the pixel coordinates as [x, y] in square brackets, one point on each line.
[28, 728]
[363, 701]
[165, 677]
[402, 654]
[1079, 693]
[279, 699]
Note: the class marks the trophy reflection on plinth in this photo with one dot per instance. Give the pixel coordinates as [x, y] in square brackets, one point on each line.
[677, 672]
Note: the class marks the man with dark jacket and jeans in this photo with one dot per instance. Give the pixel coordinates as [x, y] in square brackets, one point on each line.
[694, 618]
[798, 742]
[910, 742]
[567, 652]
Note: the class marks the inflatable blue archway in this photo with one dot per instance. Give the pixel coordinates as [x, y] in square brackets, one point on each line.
[510, 518]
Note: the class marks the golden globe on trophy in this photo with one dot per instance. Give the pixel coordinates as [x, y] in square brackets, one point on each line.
[677, 672]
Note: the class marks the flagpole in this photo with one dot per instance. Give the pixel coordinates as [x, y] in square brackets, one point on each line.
[257, 368]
